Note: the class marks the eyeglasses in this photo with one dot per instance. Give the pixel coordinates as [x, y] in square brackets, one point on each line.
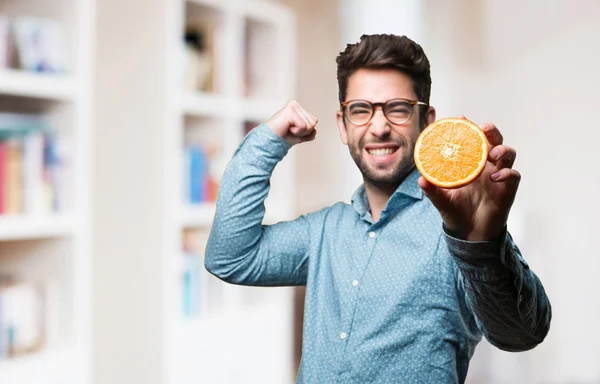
[397, 111]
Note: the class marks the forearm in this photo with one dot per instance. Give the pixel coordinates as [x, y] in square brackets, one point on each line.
[507, 298]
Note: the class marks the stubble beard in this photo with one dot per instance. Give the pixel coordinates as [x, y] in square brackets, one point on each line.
[388, 179]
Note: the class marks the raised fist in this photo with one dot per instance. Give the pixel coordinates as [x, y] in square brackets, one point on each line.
[294, 123]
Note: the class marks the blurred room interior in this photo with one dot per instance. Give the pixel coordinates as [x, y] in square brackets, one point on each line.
[117, 118]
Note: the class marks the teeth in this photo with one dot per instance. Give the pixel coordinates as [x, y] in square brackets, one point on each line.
[381, 151]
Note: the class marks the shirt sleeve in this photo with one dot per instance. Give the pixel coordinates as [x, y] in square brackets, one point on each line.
[508, 300]
[240, 249]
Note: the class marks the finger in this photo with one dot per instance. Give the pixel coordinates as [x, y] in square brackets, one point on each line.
[312, 119]
[461, 117]
[302, 113]
[437, 195]
[502, 156]
[508, 175]
[492, 134]
[301, 129]
[297, 124]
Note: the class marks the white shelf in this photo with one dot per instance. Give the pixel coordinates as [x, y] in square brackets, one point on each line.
[214, 105]
[29, 227]
[37, 85]
[48, 367]
[266, 12]
[200, 215]
[219, 4]
[203, 104]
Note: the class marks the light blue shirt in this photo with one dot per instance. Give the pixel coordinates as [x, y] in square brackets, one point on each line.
[393, 301]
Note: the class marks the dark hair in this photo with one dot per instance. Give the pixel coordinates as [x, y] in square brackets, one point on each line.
[386, 52]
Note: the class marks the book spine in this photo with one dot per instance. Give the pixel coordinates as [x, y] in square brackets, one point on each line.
[51, 164]
[197, 175]
[3, 181]
[13, 176]
[21, 319]
[33, 169]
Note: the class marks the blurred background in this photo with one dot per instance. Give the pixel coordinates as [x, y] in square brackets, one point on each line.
[117, 118]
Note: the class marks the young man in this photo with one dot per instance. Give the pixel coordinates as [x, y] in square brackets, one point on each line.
[402, 283]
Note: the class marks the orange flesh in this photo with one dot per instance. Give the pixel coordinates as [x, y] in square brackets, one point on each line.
[451, 152]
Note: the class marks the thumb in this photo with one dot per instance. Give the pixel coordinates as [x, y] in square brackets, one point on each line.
[436, 195]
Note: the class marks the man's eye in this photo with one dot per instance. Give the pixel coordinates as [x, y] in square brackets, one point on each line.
[399, 110]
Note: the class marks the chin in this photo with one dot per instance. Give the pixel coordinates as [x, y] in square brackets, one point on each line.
[379, 180]
[388, 178]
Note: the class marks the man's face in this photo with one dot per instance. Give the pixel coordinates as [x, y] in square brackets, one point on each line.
[383, 151]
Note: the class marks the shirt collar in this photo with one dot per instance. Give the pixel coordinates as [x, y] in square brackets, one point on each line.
[408, 188]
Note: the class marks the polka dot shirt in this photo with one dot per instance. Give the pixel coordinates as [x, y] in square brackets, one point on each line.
[394, 301]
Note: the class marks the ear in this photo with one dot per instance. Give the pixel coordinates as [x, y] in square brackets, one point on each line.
[342, 127]
[429, 116]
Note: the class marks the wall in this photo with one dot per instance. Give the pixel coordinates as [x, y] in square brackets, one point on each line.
[129, 113]
[317, 168]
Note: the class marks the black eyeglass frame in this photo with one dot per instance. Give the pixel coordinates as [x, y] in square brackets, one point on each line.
[412, 103]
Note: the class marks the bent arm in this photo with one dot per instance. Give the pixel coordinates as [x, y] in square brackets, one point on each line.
[240, 249]
[506, 297]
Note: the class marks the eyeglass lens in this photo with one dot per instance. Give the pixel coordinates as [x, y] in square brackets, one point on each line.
[360, 112]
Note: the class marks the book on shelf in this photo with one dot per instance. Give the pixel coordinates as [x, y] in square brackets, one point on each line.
[22, 318]
[6, 43]
[199, 53]
[191, 275]
[201, 293]
[32, 44]
[30, 165]
[201, 185]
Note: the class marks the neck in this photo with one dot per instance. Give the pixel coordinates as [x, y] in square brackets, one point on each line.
[378, 197]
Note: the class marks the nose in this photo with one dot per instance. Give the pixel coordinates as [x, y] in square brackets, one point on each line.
[379, 125]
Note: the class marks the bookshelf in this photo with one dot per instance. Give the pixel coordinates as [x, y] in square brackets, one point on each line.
[49, 245]
[252, 50]
[167, 111]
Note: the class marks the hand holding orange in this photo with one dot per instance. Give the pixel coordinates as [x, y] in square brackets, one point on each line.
[451, 153]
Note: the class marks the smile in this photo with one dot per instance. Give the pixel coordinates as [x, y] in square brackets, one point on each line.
[381, 151]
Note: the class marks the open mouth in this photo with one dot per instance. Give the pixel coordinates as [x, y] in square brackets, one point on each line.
[381, 151]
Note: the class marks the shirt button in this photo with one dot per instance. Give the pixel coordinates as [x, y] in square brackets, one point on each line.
[355, 283]
[372, 235]
[343, 335]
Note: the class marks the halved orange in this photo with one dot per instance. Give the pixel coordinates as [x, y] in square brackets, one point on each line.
[451, 153]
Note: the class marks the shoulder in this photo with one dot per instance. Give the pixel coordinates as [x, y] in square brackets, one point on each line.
[336, 212]
[339, 208]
